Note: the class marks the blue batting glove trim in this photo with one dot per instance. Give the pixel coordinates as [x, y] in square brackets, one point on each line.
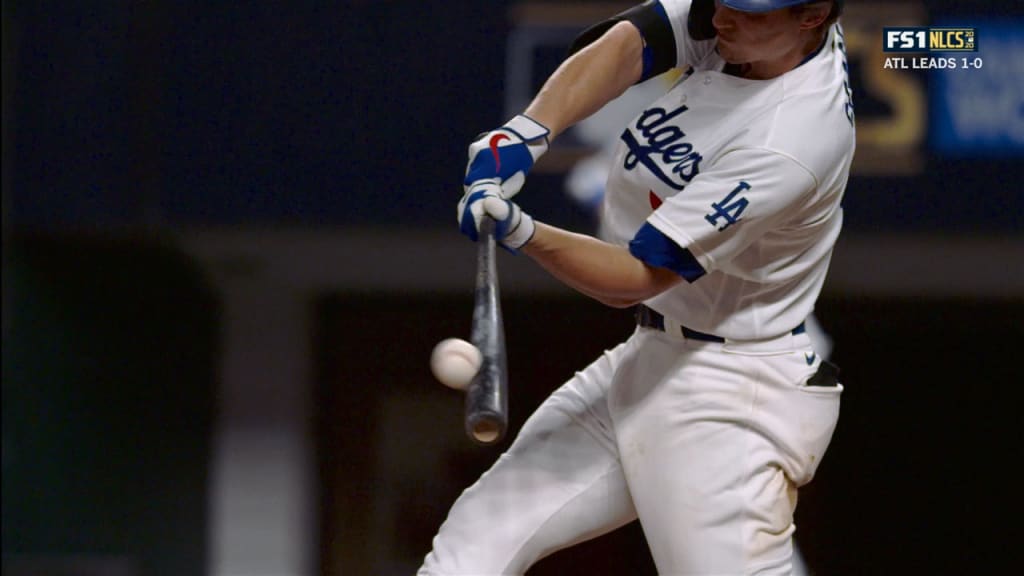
[467, 224]
[656, 249]
[511, 225]
[501, 227]
[499, 162]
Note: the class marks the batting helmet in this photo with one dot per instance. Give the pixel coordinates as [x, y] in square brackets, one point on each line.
[702, 11]
[767, 5]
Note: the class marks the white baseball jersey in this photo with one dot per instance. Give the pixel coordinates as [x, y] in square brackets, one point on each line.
[746, 176]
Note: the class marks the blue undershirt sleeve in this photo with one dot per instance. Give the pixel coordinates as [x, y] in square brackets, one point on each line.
[656, 249]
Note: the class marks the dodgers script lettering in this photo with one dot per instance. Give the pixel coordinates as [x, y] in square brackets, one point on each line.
[659, 146]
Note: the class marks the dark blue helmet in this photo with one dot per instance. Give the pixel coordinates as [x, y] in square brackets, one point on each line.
[767, 5]
[702, 11]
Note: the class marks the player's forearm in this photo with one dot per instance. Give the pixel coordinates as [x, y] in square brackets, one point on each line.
[589, 79]
[603, 271]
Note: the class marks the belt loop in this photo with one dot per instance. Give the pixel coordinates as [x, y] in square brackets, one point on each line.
[649, 318]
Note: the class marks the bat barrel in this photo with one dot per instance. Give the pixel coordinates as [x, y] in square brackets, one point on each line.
[486, 397]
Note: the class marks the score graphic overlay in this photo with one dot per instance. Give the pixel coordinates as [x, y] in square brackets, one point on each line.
[923, 39]
[918, 39]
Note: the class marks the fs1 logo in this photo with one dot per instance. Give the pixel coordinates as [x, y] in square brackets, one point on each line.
[917, 39]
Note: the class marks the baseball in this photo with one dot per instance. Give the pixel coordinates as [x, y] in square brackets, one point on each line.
[455, 362]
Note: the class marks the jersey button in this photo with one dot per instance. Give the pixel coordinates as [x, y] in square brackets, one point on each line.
[707, 80]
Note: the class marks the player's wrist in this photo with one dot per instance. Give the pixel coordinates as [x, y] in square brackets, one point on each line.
[535, 135]
[532, 132]
[520, 234]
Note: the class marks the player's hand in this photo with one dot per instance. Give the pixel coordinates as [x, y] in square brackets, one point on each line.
[506, 155]
[513, 228]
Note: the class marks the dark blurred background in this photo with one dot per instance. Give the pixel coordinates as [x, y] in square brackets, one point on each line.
[229, 247]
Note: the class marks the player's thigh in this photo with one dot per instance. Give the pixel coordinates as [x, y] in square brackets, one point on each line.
[558, 484]
[708, 488]
[798, 406]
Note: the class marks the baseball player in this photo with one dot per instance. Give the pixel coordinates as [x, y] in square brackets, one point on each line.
[585, 186]
[721, 211]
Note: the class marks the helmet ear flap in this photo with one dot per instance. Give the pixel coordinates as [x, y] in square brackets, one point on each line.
[698, 23]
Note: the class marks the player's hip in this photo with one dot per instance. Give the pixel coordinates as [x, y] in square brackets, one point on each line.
[671, 388]
[792, 338]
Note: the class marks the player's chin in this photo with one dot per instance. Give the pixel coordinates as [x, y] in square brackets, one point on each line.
[729, 52]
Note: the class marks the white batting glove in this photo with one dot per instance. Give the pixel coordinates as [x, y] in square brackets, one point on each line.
[513, 228]
[506, 155]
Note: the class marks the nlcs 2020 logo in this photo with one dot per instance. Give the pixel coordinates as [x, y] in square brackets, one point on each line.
[920, 39]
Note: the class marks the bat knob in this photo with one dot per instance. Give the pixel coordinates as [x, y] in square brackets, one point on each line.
[486, 429]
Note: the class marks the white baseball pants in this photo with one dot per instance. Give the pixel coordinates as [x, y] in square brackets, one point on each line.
[706, 443]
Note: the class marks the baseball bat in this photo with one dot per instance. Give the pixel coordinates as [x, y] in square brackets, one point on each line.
[487, 394]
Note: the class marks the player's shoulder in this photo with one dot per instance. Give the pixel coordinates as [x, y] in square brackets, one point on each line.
[693, 44]
[813, 125]
[813, 120]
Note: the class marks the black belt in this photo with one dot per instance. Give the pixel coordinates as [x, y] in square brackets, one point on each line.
[650, 319]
